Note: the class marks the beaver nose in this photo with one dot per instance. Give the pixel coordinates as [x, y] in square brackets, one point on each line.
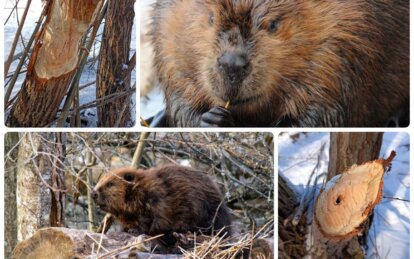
[234, 65]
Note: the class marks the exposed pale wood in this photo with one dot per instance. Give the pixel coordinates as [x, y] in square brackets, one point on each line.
[74, 85]
[349, 198]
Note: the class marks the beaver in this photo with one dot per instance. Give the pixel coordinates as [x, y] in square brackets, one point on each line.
[314, 63]
[166, 200]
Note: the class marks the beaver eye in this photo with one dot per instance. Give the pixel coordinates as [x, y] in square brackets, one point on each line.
[273, 26]
[211, 19]
[128, 177]
[110, 184]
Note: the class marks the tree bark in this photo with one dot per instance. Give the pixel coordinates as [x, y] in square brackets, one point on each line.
[114, 70]
[53, 62]
[40, 183]
[347, 149]
[10, 205]
[57, 211]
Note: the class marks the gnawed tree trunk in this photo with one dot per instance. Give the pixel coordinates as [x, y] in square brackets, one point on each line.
[40, 183]
[53, 62]
[114, 71]
[10, 205]
[346, 149]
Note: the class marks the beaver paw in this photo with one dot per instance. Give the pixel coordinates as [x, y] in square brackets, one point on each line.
[217, 117]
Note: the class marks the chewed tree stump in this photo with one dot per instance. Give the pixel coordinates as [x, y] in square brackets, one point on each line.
[349, 198]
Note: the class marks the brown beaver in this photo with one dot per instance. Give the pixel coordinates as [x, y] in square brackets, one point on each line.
[163, 201]
[314, 63]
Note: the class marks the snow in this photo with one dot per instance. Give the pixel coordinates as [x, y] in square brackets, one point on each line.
[87, 94]
[153, 101]
[389, 235]
[11, 27]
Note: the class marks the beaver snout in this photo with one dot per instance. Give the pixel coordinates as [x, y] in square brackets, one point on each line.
[234, 66]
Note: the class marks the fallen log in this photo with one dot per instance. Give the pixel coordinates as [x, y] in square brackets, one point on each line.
[65, 243]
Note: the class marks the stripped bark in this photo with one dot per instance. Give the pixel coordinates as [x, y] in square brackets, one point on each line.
[114, 70]
[53, 62]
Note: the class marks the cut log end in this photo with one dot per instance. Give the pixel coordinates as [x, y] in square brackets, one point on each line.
[46, 244]
[349, 198]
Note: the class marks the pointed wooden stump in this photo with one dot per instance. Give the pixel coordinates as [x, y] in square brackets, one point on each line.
[348, 199]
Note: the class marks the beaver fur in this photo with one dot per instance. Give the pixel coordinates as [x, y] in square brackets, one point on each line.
[302, 63]
[163, 201]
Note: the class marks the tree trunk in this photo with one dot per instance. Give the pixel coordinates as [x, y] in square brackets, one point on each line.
[53, 62]
[40, 183]
[114, 71]
[10, 205]
[57, 212]
[347, 149]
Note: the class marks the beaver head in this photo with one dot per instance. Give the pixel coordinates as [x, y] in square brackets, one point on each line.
[266, 50]
[114, 190]
[275, 59]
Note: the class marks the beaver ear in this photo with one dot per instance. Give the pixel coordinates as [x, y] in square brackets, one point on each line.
[128, 177]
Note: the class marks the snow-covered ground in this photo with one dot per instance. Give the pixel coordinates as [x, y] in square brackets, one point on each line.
[87, 95]
[151, 98]
[389, 235]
